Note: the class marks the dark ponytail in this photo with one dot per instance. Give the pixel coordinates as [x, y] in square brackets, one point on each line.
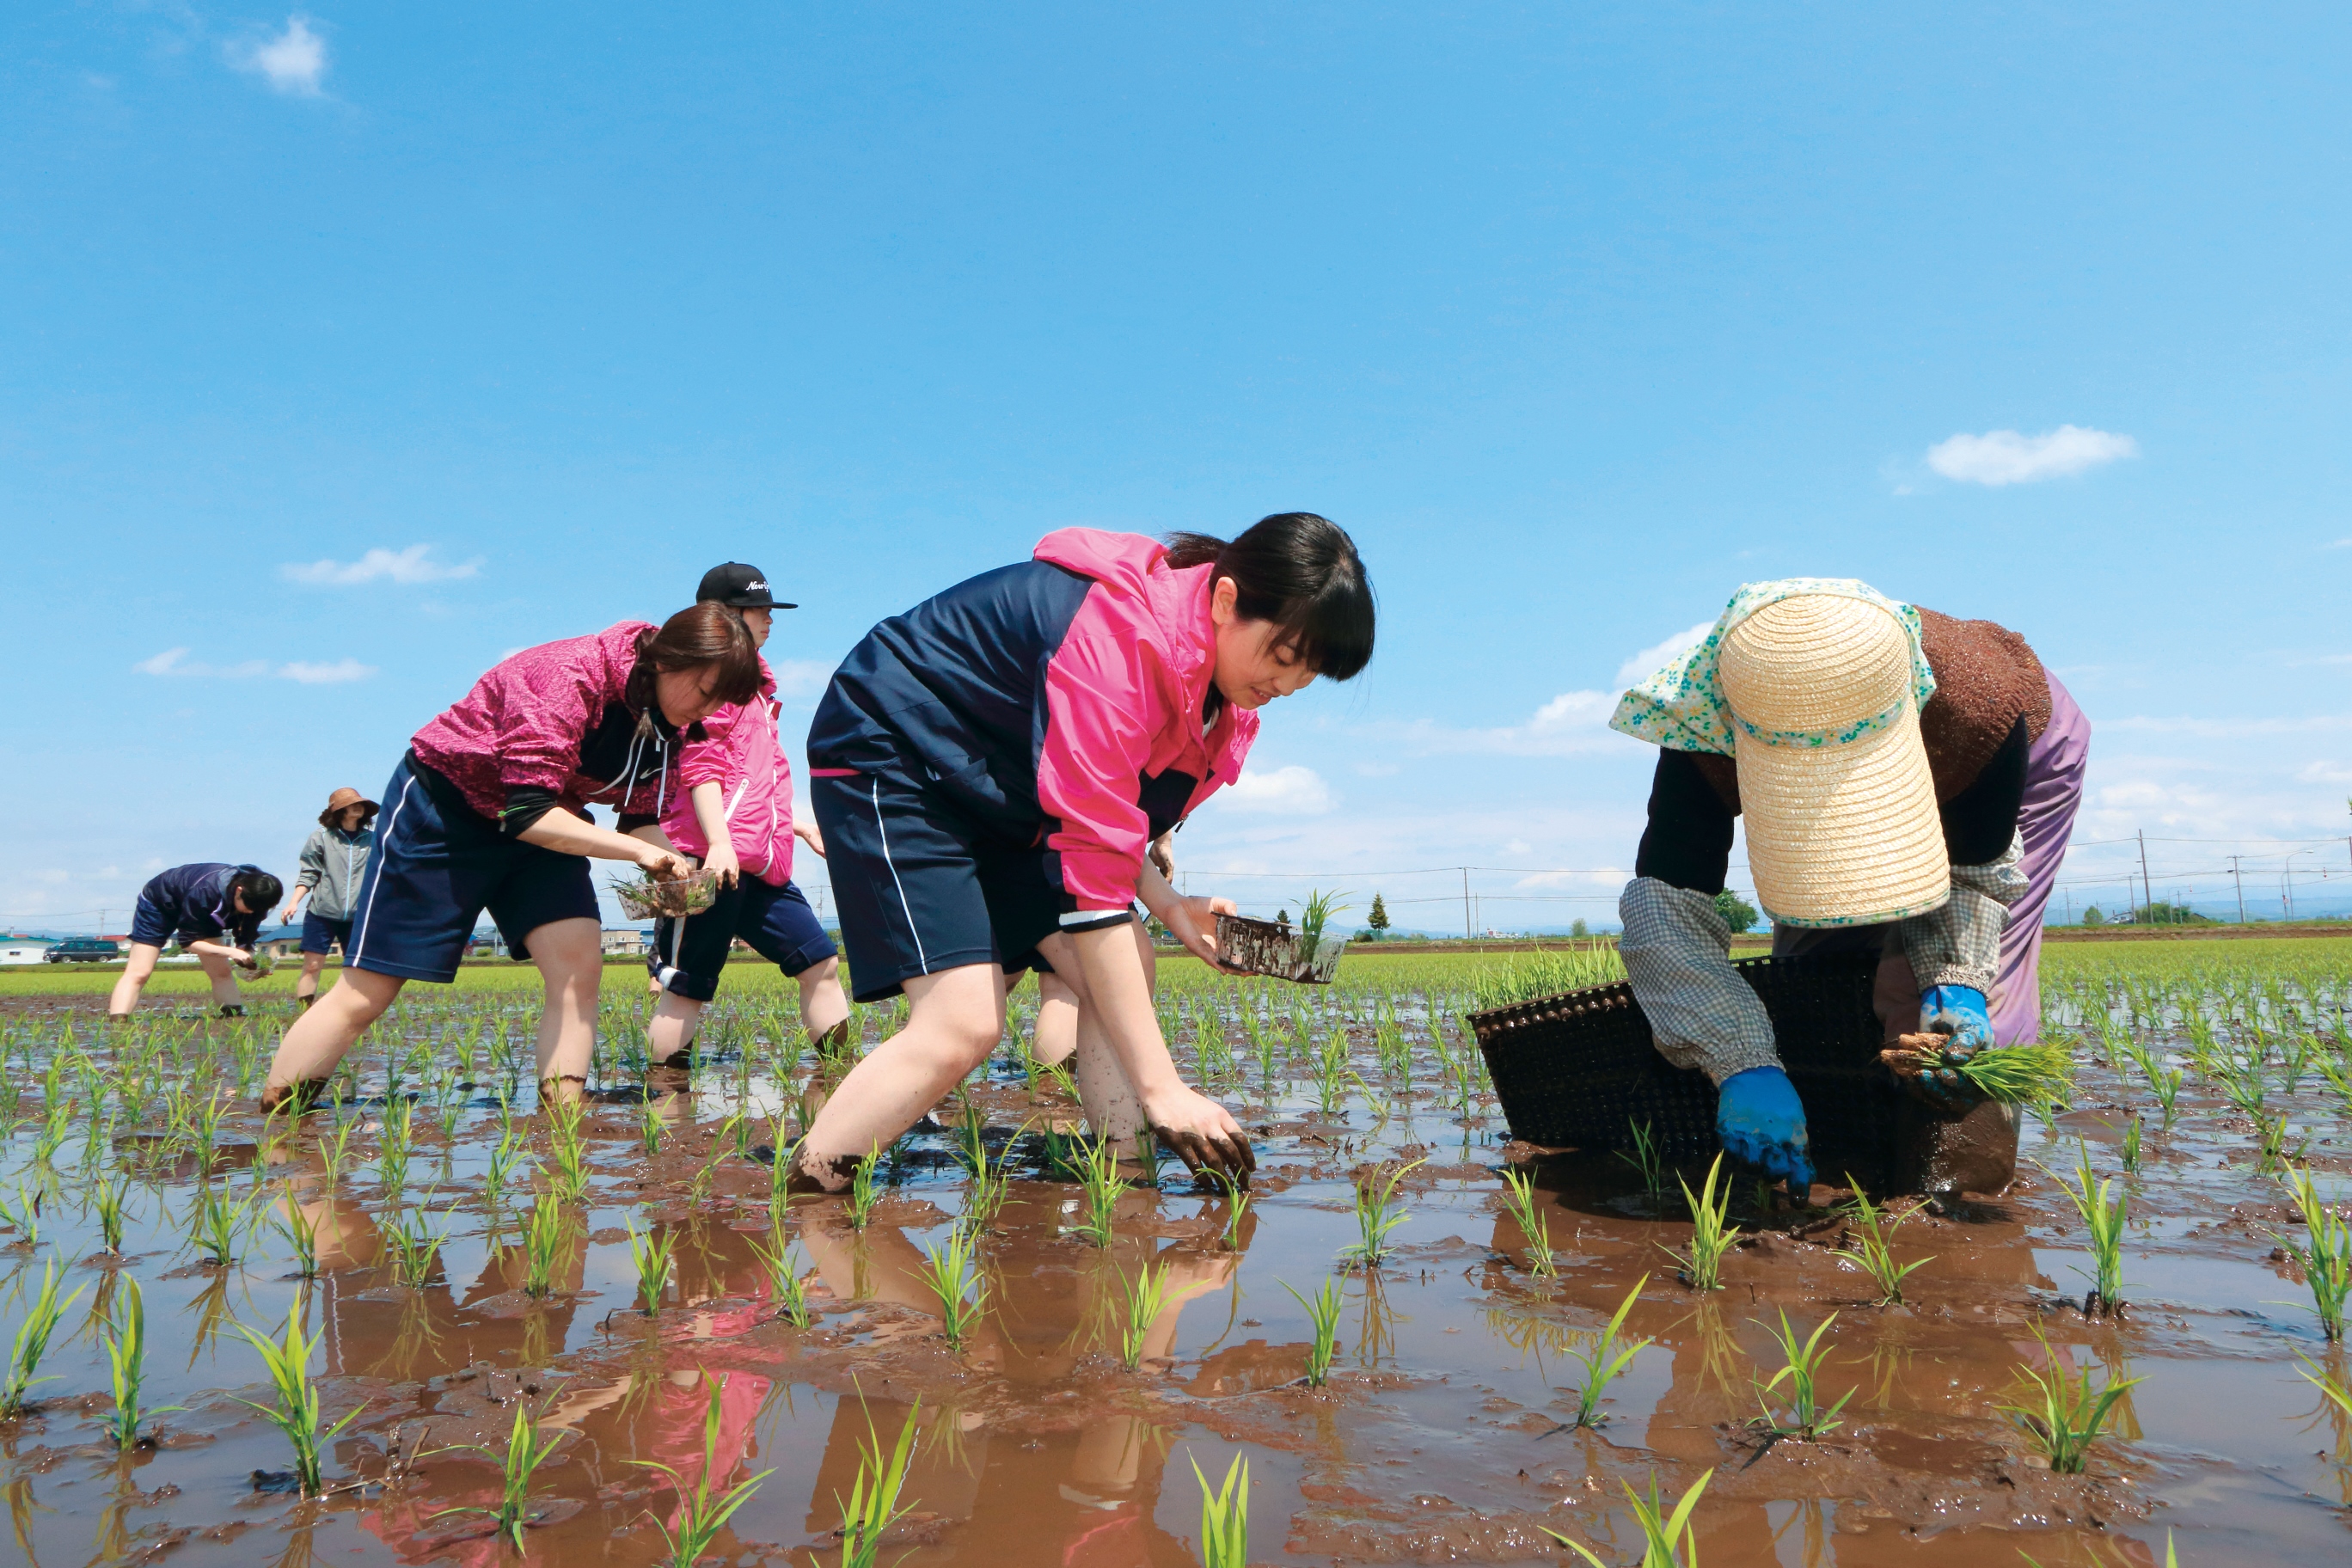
[1300, 571]
[698, 637]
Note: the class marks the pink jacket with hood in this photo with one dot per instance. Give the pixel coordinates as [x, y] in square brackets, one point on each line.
[743, 756]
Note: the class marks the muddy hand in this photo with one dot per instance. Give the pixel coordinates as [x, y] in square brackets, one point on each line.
[1761, 1123]
[1203, 1135]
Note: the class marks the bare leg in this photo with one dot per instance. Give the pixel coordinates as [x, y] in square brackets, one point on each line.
[136, 970]
[306, 985]
[670, 1034]
[223, 974]
[320, 1039]
[1113, 1108]
[571, 957]
[957, 1019]
[823, 1004]
[1057, 1019]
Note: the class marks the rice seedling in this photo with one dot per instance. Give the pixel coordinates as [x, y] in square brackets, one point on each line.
[1669, 1540]
[216, 1225]
[1376, 1214]
[858, 1208]
[650, 1126]
[1224, 1517]
[703, 1509]
[296, 1412]
[2331, 1385]
[1141, 1297]
[23, 1216]
[2023, 1074]
[2068, 1413]
[2339, 1079]
[2272, 1149]
[1099, 1185]
[32, 1342]
[1604, 1357]
[2324, 1255]
[970, 1134]
[2104, 1218]
[873, 1505]
[1806, 1419]
[650, 1251]
[1323, 1322]
[777, 1259]
[1314, 917]
[126, 1365]
[1646, 1159]
[1519, 1203]
[1872, 1252]
[507, 1162]
[526, 1451]
[300, 1233]
[1237, 1201]
[545, 1244]
[990, 1186]
[1539, 974]
[1711, 1234]
[950, 1275]
[412, 1248]
[112, 1202]
[2130, 1145]
[1332, 1075]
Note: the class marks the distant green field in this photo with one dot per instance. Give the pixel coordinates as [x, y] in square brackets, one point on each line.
[2298, 958]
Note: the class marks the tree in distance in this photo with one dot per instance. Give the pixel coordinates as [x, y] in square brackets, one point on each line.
[2092, 917]
[1737, 912]
[1378, 920]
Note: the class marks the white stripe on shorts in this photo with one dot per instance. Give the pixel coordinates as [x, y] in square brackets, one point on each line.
[920, 956]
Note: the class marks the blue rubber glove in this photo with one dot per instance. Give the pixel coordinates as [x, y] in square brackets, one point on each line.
[1761, 1123]
[1958, 1013]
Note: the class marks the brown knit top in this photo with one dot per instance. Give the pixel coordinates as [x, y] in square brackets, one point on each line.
[1986, 680]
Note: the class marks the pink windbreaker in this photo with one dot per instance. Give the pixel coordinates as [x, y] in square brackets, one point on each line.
[1123, 694]
[523, 723]
[744, 758]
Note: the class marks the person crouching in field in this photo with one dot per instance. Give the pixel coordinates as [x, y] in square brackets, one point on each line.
[736, 814]
[987, 768]
[490, 810]
[334, 858]
[215, 911]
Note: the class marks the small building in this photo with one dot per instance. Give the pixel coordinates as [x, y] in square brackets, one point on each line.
[625, 941]
[20, 949]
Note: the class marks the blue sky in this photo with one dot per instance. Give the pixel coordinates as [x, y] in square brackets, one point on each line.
[518, 317]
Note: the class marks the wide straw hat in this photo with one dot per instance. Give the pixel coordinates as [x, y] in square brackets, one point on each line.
[1843, 827]
[348, 796]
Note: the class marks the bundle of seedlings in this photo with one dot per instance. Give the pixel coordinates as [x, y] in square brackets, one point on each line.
[644, 898]
[2013, 1075]
[1308, 955]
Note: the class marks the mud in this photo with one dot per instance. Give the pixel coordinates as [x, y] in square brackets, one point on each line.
[1441, 1436]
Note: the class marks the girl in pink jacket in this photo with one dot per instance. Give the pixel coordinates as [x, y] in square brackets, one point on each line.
[990, 767]
[735, 816]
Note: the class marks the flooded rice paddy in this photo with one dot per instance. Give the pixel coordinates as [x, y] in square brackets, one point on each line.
[471, 1255]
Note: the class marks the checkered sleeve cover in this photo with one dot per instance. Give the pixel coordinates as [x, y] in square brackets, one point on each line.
[1959, 945]
[1677, 954]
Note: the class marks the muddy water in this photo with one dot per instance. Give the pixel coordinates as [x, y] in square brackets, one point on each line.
[1440, 1438]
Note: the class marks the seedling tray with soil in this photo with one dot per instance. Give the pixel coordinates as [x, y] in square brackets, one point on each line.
[1273, 948]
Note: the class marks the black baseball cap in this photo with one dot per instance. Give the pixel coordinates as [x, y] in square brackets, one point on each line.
[745, 587]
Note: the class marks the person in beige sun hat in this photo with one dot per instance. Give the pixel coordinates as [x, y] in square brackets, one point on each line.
[1908, 781]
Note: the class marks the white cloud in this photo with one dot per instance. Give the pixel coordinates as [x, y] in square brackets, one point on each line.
[406, 567]
[326, 674]
[1651, 659]
[2006, 457]
[1293, 790]
[293, 62]
[175, 661]
[801, 677]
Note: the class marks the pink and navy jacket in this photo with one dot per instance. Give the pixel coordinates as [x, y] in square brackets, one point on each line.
[551, 727]
[743, 757]
[1057, 703]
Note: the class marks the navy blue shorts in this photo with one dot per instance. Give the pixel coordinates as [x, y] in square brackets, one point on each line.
[922, 888]
[438, 864]
[152, 924]
[320, 934]
[688, 955]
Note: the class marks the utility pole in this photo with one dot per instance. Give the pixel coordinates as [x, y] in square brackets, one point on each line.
[1466, 905]
[2240, 880]
[2144, 885]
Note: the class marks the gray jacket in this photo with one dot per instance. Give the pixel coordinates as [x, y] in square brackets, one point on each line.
[332, 862]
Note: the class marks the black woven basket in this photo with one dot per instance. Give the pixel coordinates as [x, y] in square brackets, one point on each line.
[1576, 1071]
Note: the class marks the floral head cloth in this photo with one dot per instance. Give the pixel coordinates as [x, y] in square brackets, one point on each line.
[1682, 707]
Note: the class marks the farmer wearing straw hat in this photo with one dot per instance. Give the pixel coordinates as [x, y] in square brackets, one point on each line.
[333, 858]
[1908, 781]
